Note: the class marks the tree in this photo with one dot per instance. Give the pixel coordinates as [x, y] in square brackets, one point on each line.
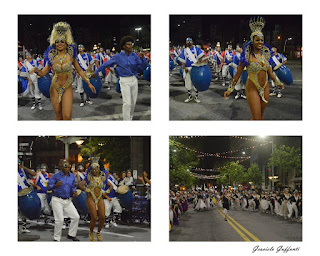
[181, 162]
[235, 173]
[286, 159]
[253, 175]
[115, 150]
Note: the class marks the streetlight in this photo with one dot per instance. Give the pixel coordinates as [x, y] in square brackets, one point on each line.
[272, 167]
[285, 42]
[69, 140]
[138, 29]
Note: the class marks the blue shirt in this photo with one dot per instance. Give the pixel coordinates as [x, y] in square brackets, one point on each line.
[280, 57]
[23, 180]
[127, 65]
[87, 60]
[67, 188]
[42, 183]
[110, 178]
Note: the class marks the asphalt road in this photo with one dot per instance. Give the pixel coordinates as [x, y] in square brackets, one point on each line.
[108, 106]
[39, 231]
[213, 106]
[242, 226]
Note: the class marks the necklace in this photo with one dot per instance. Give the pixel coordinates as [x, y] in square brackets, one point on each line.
[62, 59]
[259, 58]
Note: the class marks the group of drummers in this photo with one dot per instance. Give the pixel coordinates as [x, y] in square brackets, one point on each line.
[223, 65]
[71, 194]
[285, 204]
[88, 61]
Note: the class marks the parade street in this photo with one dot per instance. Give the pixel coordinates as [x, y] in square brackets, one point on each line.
[213, 106]
[241, 226]
[108, 106]
[39, 231]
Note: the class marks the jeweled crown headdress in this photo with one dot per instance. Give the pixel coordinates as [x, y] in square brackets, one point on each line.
[61, 30]
[256, 25]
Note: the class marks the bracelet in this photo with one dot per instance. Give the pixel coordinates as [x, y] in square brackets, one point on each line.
[231, 86]
[87, 80]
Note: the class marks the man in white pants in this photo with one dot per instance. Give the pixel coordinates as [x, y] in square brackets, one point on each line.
[111, 202]
[62, 185]
[127, 64]
[190, 55]
[27, 72]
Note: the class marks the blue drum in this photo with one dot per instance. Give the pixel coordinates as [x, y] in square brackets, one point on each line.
[80, 202]
[125, 199]
[171, 64]
[201, 76]
[181, 72]
[29, 203]
[147, 73]
[96, 82]
[284, 74]
[23, 86]
[232, 71]
[178, 61]
[44, 84]
[244, 76]
[118, 88]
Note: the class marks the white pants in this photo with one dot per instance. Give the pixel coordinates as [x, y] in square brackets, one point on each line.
[129, 91]
[60, 208]
[34, 89]
[111, 77]
[113, 204]
[79, 84]
[45, 208]
[187, 80]
[225, 70]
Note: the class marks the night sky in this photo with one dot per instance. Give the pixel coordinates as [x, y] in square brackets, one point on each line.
[219, 144]
[206, 29]
[86, 29]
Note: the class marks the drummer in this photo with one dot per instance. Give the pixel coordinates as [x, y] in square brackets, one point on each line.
[111, 201]
[227, 56]
[127, 64]
[190, 55]
[27, 72]
[277, 60]
[24, 174]
[41, 182]
[62, 185]
[86, 62]
[235, 62]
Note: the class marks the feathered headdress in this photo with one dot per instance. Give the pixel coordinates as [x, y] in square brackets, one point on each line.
[61, 30]
[256, 25]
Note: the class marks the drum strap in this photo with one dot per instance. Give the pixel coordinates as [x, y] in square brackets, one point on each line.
[22, 181]
[275, 60]
[81, 175]
[43, 180]
[190, 55]
[113, 185]
[82, 62]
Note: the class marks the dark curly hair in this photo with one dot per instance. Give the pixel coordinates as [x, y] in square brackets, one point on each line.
[126, 39]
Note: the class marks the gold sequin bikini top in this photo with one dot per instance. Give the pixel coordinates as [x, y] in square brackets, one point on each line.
[64, 68]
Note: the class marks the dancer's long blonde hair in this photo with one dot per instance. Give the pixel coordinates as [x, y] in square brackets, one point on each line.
[61, 29]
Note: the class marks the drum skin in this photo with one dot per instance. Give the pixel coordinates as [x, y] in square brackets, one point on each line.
[126, 200]
[147, 74]
[80, 203]
[244, 76]
[44, 84]
[96, 82]
[30, 205]
[201, 77]
[284, 74]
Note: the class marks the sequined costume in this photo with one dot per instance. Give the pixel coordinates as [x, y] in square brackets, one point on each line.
[61, 68]
[94, 183]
